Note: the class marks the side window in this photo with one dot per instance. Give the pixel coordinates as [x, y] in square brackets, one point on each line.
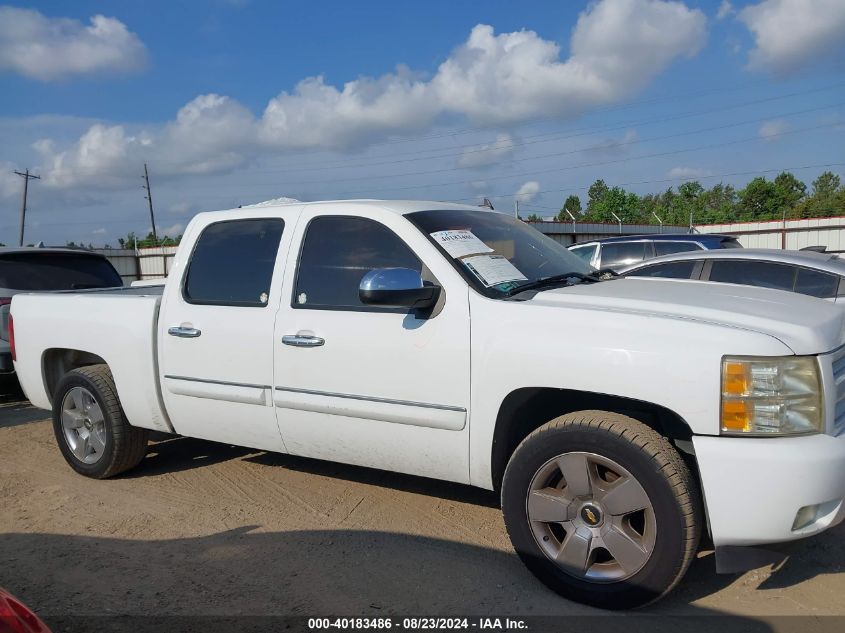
[337, 252]
[669, 270]
[751, 273]
[618, 254]
[585, 252]
[232, 263]
[816, 283]
[667, 248]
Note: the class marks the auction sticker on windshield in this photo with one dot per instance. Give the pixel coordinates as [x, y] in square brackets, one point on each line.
[492, 270]
[460, 243]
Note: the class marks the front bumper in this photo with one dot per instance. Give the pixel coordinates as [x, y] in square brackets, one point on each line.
[754, 487]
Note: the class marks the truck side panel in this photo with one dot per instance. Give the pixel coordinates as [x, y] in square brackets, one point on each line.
[120, 328]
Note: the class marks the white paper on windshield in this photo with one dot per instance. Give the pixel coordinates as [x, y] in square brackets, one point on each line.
[460, 243]
[493, 269]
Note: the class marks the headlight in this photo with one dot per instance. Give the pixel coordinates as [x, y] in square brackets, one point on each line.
[771, 396]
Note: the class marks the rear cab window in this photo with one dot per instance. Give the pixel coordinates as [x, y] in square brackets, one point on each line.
[232, 263]
[754, 273]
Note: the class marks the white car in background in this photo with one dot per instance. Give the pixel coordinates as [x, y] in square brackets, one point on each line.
[805, 272]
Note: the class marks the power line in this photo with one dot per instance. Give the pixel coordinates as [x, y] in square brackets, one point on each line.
[26, 178]
[474, 148]
[531, 121]
[585, 165]
[571, 188]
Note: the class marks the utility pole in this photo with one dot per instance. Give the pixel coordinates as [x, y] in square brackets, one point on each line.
[516, 208]
[149, 198]
[26, 178]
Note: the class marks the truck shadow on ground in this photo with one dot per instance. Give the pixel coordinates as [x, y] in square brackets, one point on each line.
[806, 559]
[306, 573]
[14, 412]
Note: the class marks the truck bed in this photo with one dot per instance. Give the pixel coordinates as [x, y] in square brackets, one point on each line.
[117, 325]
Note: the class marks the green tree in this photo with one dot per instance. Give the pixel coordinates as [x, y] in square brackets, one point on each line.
[595, 194]
[571, 204]
[534, 218]
[759, 200]
[790, 193]
[826, 185]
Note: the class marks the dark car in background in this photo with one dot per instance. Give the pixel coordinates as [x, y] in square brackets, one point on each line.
[44, 270]
[616, 253]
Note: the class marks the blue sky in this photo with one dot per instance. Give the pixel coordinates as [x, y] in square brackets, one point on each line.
[448, 101]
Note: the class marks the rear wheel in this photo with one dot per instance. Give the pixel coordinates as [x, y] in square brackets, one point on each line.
[602, 509]
[91, 429]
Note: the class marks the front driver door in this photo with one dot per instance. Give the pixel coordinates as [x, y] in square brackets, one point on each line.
[380, 387]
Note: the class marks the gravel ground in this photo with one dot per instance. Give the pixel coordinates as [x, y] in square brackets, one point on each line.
[204, 528]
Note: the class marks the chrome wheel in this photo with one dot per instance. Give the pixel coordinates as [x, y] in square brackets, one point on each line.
[83, 425]
[591, 517]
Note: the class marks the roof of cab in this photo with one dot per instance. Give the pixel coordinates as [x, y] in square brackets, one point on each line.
[401, 207]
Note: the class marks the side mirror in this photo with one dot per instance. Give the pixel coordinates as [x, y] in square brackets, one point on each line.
[397, 288]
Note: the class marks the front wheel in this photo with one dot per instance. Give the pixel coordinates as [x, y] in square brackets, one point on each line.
[91, 429]
[602, 509]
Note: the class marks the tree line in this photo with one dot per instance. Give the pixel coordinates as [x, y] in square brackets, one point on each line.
[761, 199]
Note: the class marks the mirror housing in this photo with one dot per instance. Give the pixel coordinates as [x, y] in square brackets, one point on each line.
[397, 288]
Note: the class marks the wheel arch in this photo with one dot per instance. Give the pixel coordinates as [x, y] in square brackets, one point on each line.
[527, 408]
[56, 362]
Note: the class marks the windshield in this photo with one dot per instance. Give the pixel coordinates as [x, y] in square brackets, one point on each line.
[56, 271]
[496, 253]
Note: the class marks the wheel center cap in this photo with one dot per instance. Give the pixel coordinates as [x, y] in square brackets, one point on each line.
[591, 515]
[88, 424]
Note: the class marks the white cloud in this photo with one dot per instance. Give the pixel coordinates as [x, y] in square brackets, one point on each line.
[789, 34]
[528, 191]
[488, 154]
[690, 173]
[613, 146]
[48, 49]
[101, 231]
[771, 130]
[617, 47]
[725, 9]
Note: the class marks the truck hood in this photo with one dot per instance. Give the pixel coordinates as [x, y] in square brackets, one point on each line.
[804, 324]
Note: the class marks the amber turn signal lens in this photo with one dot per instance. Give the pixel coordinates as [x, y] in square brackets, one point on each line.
[735, 416]
[736, 379]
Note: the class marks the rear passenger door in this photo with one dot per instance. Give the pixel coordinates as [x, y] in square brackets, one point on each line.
[216, 331]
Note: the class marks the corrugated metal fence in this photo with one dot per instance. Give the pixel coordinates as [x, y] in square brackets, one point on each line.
[143, 263]
[791, 234]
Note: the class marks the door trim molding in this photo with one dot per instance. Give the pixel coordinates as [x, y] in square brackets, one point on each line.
[425, 414]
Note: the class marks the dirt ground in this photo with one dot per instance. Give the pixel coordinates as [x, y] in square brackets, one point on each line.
[212, 529]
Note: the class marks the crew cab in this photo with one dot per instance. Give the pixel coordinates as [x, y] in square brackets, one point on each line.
[619, 419]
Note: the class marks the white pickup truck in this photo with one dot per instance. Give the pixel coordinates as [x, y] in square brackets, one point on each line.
[619, 419]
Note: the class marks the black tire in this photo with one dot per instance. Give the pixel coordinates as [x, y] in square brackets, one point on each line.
[655, 465]
[125, 445]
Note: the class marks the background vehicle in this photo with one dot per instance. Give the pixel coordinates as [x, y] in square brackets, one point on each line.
[805, 272]
[41, 269]
[379, 333]
[618, 252]
[16, 617]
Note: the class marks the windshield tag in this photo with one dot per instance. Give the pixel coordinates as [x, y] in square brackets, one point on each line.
[460, 243]
[492, 270]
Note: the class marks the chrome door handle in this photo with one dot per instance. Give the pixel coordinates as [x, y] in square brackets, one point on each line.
[303, 340]
[184, 332]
